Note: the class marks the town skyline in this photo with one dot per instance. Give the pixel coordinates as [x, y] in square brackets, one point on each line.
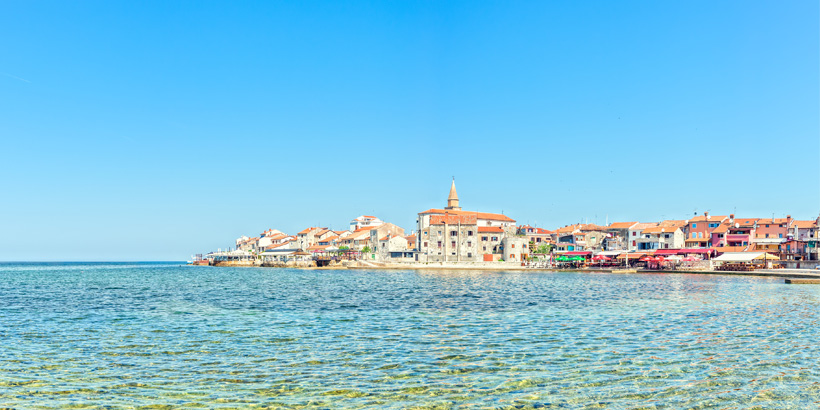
[172, 128]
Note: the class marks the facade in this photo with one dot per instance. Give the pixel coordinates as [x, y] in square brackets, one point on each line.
[454, 235]
[617, 236]
[699, 230]
[307, 237]
[635, 232]
[661, 237]
[364, 221]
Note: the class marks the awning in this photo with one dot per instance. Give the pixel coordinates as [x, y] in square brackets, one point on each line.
[666, 251]
[745, 257]
[632, 255]
[579, 253]
[610, 253]
[700, 251]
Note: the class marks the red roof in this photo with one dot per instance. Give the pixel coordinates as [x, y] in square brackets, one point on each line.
[479, 215]
[490, 229]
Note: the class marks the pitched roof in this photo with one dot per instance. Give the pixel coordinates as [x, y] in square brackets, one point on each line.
[306, 230]
[643, 225]
[568, 228]
[490, 229]
[592, 227]
[479, 215]
[805, 224]
[620, 225]
[673, 222]
[723, 228]
[712, 218]
[661, 229]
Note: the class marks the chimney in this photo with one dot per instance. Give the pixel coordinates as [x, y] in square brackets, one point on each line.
[706, 215]
[731, 217]
[788, 220]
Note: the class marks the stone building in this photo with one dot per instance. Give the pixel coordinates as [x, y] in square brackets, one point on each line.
[454, 235]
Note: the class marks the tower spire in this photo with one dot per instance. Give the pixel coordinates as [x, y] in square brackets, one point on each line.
[452, 199]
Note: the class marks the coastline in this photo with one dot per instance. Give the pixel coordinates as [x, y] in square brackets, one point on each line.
[781, 273]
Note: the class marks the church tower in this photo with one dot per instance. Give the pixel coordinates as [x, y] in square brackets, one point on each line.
[452, 200]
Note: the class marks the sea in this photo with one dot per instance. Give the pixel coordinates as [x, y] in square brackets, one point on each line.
[168, 336]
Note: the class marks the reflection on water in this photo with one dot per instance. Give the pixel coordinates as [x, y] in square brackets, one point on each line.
[167, 336]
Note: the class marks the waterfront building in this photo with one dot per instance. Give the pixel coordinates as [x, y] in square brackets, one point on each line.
[385, 230]
[617, 236]
[593, 238]
[699, 230]
[808, 233]
[635, 232]
[454, 235]
[364, 221]
[536, 237]
[770, 233]
[667, 236]
[307, 237]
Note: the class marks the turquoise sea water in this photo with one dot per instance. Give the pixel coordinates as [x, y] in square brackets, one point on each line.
[168, 336]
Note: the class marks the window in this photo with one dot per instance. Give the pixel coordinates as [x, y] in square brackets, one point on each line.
[647, 236]
[484, 238]
[469, 255]
[634, 233]
[666, 245]
[439, 233]
[453, 244]
[469, 233]
[425, 244]
[694, 226]
[485, 248]
[666, 236]
[425, 232]
[453, 233]
[512, 256]
[512, 245]
[767, 235]
[694, 235]
[633, 243]
[439, 244]
[767, 226]
[495, 238]
[780, 235]
[469, 243]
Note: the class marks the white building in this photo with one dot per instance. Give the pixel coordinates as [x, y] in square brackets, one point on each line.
[364, 221]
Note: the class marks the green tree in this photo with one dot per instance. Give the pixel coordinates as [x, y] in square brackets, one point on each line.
[366, 249]
[543, 249]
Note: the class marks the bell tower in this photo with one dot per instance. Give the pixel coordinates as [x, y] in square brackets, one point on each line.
[452, 200]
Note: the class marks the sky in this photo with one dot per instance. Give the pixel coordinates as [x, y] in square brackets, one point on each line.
[155, 130]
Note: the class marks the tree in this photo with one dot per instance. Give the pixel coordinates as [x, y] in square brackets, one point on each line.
[343, 248]
[543, 249]
[366, 249]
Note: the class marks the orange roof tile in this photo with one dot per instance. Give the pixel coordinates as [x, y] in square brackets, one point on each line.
[712, 218]
[805, 224]
[490, 229]
[620, 225]
[479, 215]
[661, 229]
[723, 228]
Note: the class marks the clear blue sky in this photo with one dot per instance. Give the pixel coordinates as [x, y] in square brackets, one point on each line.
[153, 130]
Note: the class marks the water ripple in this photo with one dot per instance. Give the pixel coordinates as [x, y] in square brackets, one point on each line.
[156, 336]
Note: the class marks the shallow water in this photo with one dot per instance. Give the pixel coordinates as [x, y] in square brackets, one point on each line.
[167, 336]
